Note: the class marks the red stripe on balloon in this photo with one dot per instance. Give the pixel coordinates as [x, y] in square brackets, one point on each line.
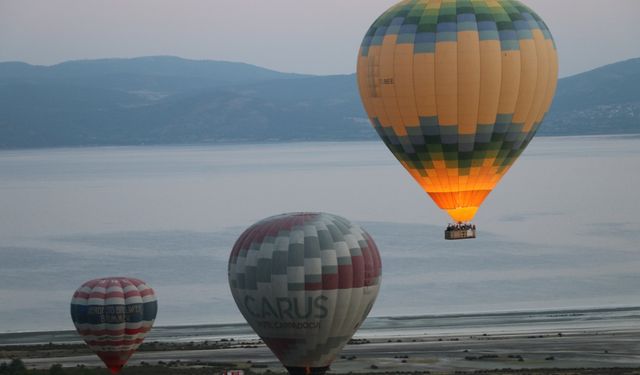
[345, 274]
[368, 267]
[373, 250]
[357, 262]
[330, 281]
[133, 293]
[313, 286]
[113, 295]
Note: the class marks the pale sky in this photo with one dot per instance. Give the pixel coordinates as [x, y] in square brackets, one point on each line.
[303, 36]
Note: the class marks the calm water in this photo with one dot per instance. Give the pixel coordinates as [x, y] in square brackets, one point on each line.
[561, 231]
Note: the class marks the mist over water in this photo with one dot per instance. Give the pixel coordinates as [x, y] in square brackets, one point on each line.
[561, 230]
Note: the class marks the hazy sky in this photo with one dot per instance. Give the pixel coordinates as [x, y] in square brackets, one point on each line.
[305, 36]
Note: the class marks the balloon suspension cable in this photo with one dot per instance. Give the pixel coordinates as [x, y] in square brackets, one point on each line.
[460, 231]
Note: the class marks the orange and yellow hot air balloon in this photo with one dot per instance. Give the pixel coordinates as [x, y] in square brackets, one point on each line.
[457, 89]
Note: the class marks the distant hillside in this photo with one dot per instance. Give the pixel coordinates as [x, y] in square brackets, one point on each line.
[168, 100]
[162, 75]
[603, 101]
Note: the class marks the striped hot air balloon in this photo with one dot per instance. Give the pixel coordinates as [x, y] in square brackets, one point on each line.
[457, 89]
[305, 282]
[113, 316]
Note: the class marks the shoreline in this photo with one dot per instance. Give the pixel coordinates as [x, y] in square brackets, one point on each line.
[225, 143]
[578, 352]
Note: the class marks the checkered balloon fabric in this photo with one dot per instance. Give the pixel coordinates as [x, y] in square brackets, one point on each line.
[457, 89]
[305, 282]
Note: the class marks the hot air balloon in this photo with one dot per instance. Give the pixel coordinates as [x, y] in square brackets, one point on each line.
[113, 316]
[305, 282]
[457, 89]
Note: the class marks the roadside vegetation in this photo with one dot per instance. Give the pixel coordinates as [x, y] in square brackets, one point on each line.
[17, 367]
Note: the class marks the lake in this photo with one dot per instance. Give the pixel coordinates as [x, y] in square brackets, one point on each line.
[560, 232]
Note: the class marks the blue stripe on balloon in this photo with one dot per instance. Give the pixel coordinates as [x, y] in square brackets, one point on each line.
[114, 314]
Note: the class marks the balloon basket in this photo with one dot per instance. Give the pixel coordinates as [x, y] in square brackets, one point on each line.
[460, 232]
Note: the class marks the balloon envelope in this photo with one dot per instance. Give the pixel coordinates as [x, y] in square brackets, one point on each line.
[457, 89]
[305, 282]
[113, 316]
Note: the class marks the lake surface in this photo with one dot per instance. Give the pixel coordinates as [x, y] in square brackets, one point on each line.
[561, 231]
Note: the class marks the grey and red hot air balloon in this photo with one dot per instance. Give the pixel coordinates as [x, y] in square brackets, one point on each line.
[305, 282]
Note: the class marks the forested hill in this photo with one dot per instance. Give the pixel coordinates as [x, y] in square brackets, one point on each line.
[602, 101]
[168, 100]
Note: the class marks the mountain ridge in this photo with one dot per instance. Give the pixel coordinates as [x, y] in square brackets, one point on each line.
[170, 100]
